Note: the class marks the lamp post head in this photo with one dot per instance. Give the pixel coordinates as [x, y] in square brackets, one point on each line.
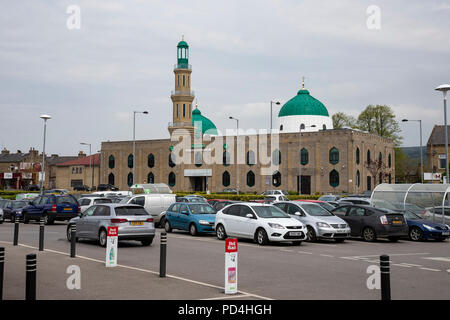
[45, 117]
[443, 87]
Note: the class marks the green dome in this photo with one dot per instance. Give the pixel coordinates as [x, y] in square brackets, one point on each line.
[207, 125]
[303, 104]
[182, 44]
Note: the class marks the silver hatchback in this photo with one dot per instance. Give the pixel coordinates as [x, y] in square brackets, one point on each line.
[134, 223]
[320, 223]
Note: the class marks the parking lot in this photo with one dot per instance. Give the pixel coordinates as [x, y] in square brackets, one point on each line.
[322, 270]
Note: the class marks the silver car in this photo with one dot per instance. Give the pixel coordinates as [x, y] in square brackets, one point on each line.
[134, 223]
[320, 223]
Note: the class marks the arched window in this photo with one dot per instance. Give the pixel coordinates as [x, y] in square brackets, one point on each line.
[368, 157]
[151, 178]
[172, 179]
[198, 159]
[226, 179]
[276, 157]
[304, 157]
[380, 178]
[380, 158]
[390, 178]
[250, 179]
[276, 179]
[130, 179]
[324, 127]
[184, 110]
[389, 162]
[357, 156]
[226, 158]
[334, 155]
[358, 178]
[302, 126]
[171, 160]
[151, 160]
[130, 161]
[369, 183]
[111, 179]
[281, 128]
[334, 178]
[111, 162]
[251, 158]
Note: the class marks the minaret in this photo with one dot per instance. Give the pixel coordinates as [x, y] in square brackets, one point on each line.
[182, 96]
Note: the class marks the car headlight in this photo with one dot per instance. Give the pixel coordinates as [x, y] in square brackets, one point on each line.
[323, 225]
[429, 228]
[203, 222]
[276, 226]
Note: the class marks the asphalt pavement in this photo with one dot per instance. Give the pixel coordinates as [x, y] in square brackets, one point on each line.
[195, 268]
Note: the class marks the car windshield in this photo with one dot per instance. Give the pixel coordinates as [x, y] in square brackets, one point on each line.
[326, 206]
[19, 204]
[201, 209]
[66, 199]
[130, 211]
[411, 216]
[125, 200]
[315, 210]
[269, 212]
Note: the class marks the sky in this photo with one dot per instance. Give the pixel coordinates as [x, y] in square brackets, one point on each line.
[243, 55]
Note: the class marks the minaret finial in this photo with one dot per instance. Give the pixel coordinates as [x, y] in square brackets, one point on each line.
[196, 103]
[182, 37]
[303, 83]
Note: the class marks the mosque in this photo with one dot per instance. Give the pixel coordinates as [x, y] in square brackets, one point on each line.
[303, 153]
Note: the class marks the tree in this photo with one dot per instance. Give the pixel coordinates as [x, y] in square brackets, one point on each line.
[341, 120]
[379, 171]
[406, 169]
[380, 120]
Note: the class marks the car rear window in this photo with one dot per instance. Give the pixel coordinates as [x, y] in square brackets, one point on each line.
[131, 211]
[66, 199]
[102, 201]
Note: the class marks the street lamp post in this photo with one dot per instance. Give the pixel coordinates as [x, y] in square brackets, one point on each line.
[444, 88]
[237, 164]
[90, 163]
[45, 117]
[272, 102]
[300, 167]
[134, 137]
[421, 157]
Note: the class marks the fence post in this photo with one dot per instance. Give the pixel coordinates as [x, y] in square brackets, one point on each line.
[73, 241]
[2, 268]
[16, 233]
[163, 255]
[41, 234]
[31, 267]
[385, 277]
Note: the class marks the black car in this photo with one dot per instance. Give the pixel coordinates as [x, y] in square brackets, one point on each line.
[106, 187]
[371, 223]
[33, 187]
[81, 188]
[52, 208]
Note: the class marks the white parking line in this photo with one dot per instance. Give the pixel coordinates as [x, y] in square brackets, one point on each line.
[401, 265]
[229, 297]
[327, 255]
[286, 250]
[322, 244]
[305, 252]
[147, 271]
[429, 269]
[444, 259]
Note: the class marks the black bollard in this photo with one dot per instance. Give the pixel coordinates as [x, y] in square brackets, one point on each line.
[385, 278]
[2, 268]
[73, 237]
[41, 234]
[16, 232]
[30, 290]
[162, 255]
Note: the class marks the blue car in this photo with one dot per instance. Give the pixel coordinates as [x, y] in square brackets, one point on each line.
[13, 209]
[193, 217]
[420, 229]
[51, 207]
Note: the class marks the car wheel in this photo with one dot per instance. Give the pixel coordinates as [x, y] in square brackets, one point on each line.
[369, 234]
[393, 239]
[46, 219]
[311, 234]
[415, 234]
[26, 219]
[13, 218]
[162, 222]
[339, 240]
[261, 237]
[220, 232]
[297, 243]
[102, 238]
[147, 242]
[193, 230]
[167, 226]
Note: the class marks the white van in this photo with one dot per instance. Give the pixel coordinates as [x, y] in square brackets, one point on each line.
[155, 204]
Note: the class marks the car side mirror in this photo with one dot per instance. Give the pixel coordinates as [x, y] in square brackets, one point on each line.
[249, 215]
[297, 213]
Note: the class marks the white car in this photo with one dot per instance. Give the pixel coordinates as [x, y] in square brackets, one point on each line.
[261, 222]
[2, 217]
[90, 201]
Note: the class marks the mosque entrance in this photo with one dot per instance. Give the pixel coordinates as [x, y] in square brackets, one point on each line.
[198, 183]
[306, 185]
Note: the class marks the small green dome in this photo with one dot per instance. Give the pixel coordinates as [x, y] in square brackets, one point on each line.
[303, 104]
[207, 125]
[182, 44]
